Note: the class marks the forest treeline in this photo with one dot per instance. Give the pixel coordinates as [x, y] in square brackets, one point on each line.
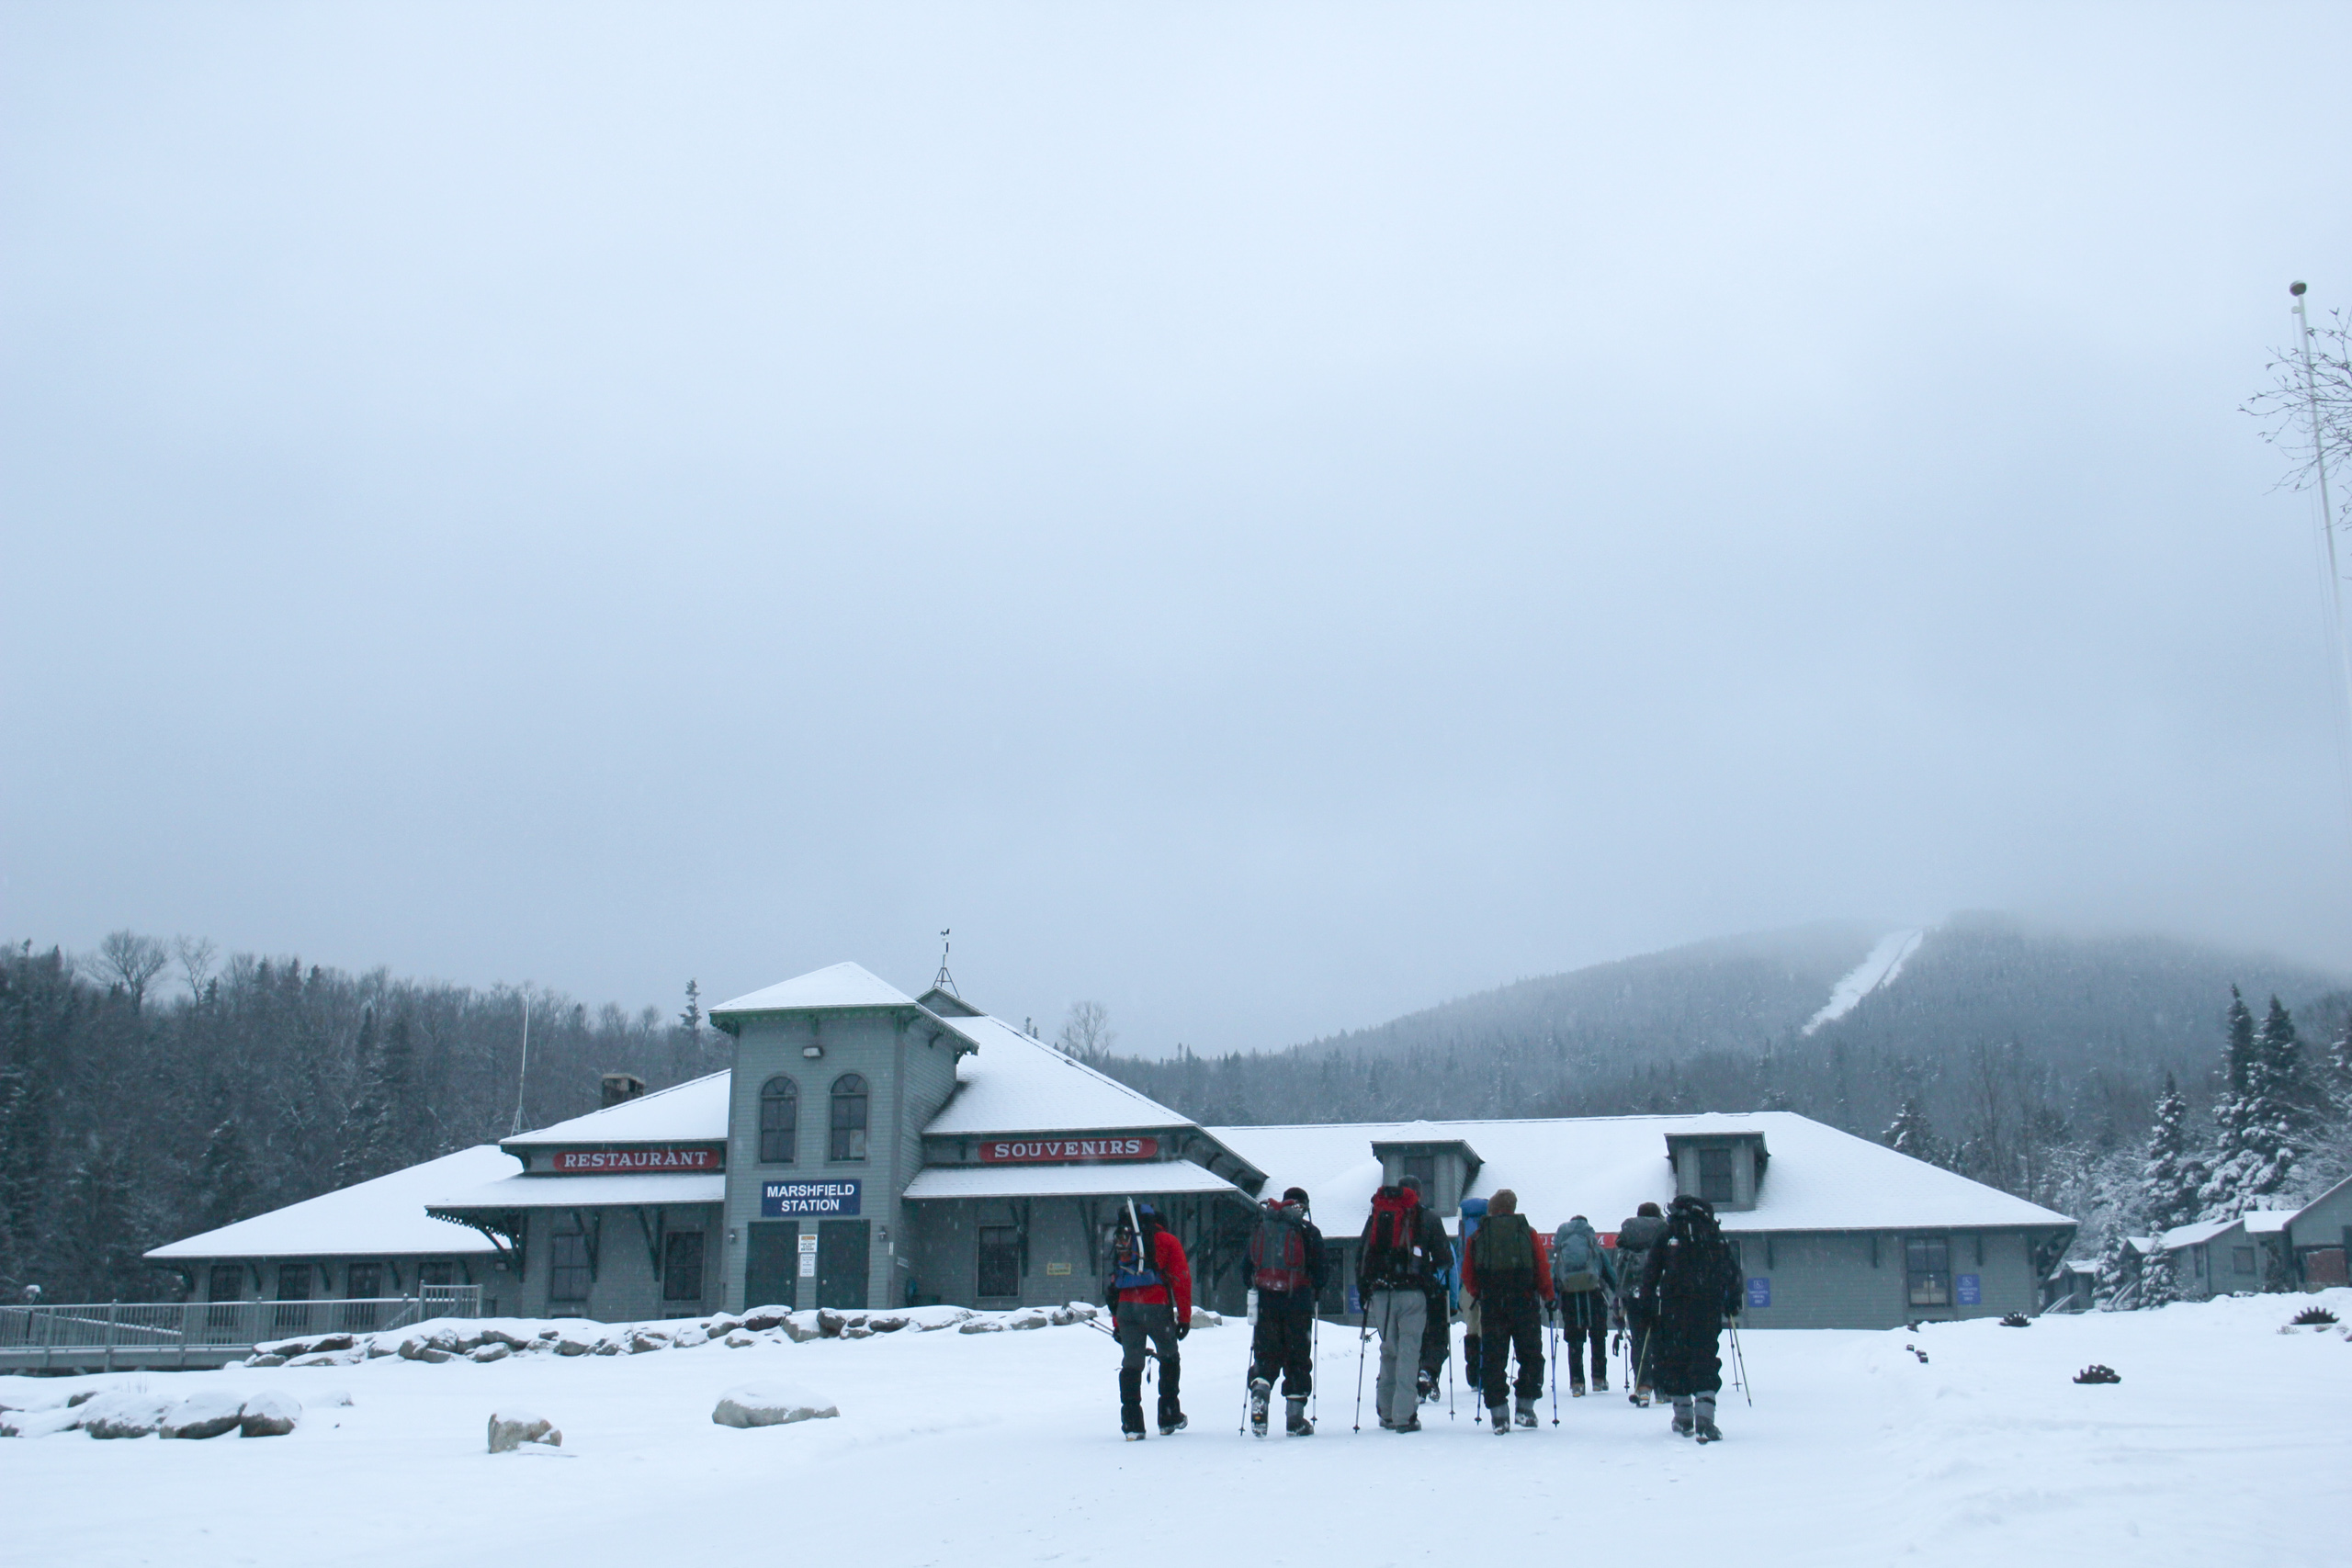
[2037, 1064]
[131, 1117]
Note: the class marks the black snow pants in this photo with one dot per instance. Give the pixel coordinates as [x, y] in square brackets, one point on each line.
[1507, 1324]
[1283, 1346]
[1134, 1323]
[1437, 1333]
[1585, 1313]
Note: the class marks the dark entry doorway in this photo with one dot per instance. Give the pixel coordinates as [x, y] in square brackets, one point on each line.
[772, 1266]
[841, 1264]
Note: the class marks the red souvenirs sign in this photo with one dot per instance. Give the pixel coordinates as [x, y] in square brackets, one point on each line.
[607, 1162]
[1060, 1151]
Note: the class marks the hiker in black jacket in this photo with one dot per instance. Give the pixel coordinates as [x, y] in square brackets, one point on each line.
[1634, 1240]
[1405, 1246]
[1690, 1289]
[1287, 1270]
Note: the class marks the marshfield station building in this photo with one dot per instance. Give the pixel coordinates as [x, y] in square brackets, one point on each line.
[870, 1150]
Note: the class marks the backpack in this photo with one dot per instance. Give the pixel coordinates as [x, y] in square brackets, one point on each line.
[1506, 1246]
[1128, 1269]
[1391, 1251]
[1699, 1264]
[1576, 1258]
[1278, 1250]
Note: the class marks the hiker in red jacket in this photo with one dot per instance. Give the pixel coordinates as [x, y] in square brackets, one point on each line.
[1147, 1264]
[1508, 1268]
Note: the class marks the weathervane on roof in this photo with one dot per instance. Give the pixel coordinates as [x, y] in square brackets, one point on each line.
[943, 981]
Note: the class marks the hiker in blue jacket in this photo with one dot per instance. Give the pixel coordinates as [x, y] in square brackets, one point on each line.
[1584, 1279]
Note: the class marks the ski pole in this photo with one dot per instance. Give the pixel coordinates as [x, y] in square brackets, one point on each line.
[1363, 1334]
[1551, 1331]
[1449, 1372]
[1739, 1359]
[1314, 1361]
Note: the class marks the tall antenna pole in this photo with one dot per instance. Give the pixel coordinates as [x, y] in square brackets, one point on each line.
[2327, 527]
[943, 981]
[524, 1070]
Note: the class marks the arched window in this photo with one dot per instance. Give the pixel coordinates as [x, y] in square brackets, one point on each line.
[779, 1122]
[848, 1140]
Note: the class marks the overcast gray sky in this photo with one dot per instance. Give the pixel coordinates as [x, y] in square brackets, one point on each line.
[1269, 517]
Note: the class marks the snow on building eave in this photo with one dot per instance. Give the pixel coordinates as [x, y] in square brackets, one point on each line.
[672, 1115]
[381, 1218]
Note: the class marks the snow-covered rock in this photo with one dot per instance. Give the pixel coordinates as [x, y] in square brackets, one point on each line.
[1204, 1318]
[491, 1352]
[686, 1338]
[770, 1405]
[739, 1340]
[125, 1413]
[988, 1325]
[269, 1415]
[307, 1345]
[207, 1412]
[510, 1429]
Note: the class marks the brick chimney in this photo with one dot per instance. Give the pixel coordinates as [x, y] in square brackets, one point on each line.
[621, 1088]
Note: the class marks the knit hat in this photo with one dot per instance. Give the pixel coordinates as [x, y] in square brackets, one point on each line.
[1294, 1195]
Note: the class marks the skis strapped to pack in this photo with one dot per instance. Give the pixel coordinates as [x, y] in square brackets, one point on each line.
[1129, 1272]
[1278, 1250]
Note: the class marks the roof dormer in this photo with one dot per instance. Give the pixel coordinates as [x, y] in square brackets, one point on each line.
[1446, 1167]
[1726, 1168]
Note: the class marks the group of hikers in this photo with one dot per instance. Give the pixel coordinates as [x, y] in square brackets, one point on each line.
[1666, 1290]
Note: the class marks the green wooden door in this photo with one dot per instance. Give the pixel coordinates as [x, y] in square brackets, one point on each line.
[772, 1265]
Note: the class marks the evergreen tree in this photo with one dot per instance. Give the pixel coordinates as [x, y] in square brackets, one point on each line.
[2170, 1181]
[2265, 1116]
[2156, 1287]
[2119, 1266]
[366, 1128]
[1909, 1132]
[225, 1179]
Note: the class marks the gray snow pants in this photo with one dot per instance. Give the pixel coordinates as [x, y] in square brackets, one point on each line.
[1399, 1318]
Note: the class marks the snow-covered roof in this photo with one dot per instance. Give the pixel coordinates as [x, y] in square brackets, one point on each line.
[583, 1192]
[2195, 1234]
[691, 1112]
[2267, 1221]
[837, 985]
[1178, 1176]
[1604, 1166]
[1017, 1084]
[383, 1218]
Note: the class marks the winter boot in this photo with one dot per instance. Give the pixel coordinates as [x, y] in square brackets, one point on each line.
[1297, 1426]
[1708, 1431]
[1683, 1424]
[1641, 1395]
[1525, 1416]
[1260, 1390]
[1501, 1419]
[1600, 1383]
[1131, 1404]
[1576, 1386]
[1426, 1383]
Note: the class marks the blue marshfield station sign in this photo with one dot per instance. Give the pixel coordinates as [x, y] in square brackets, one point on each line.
[1760, 1290]
[783, 1200]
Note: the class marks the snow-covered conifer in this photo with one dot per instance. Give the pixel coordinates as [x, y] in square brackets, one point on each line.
[2170, 1180]
[1909, 1132]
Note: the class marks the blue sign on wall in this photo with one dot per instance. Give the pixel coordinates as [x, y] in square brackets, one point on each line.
[782, 1200]
[1760, 1290]
[1965, 1289]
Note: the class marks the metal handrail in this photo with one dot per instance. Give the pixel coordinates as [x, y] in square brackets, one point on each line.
[222, 1325]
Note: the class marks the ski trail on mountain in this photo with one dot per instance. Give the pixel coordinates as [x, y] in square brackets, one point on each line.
[1880, 968]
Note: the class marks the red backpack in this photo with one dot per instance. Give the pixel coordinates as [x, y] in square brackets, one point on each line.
[1395, 1230]
[1278, 1249]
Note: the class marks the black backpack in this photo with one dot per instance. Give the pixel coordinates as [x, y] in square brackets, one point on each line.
[1278, 1250]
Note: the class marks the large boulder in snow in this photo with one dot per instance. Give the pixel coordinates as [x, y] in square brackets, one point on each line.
[125, 1413]
[510, 1429]
[492, 1351]
[207, 1412]
[271, 1415]
[763, 1318]
[770, 1405]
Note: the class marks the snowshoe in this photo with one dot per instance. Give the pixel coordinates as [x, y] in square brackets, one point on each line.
[1525, 1415]
[1261, 1391]
[1503, 1420]
[1298, 1425]
[1171, 1423]
[1709, 1432]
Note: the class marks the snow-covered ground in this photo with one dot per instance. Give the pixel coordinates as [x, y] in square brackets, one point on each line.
[1879, 967]
[2224, 1442]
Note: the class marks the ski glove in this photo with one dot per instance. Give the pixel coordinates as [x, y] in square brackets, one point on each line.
[1183, 1329]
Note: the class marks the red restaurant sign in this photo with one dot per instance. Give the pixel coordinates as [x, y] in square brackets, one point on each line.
[584, 1162]
[1055, 1151]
